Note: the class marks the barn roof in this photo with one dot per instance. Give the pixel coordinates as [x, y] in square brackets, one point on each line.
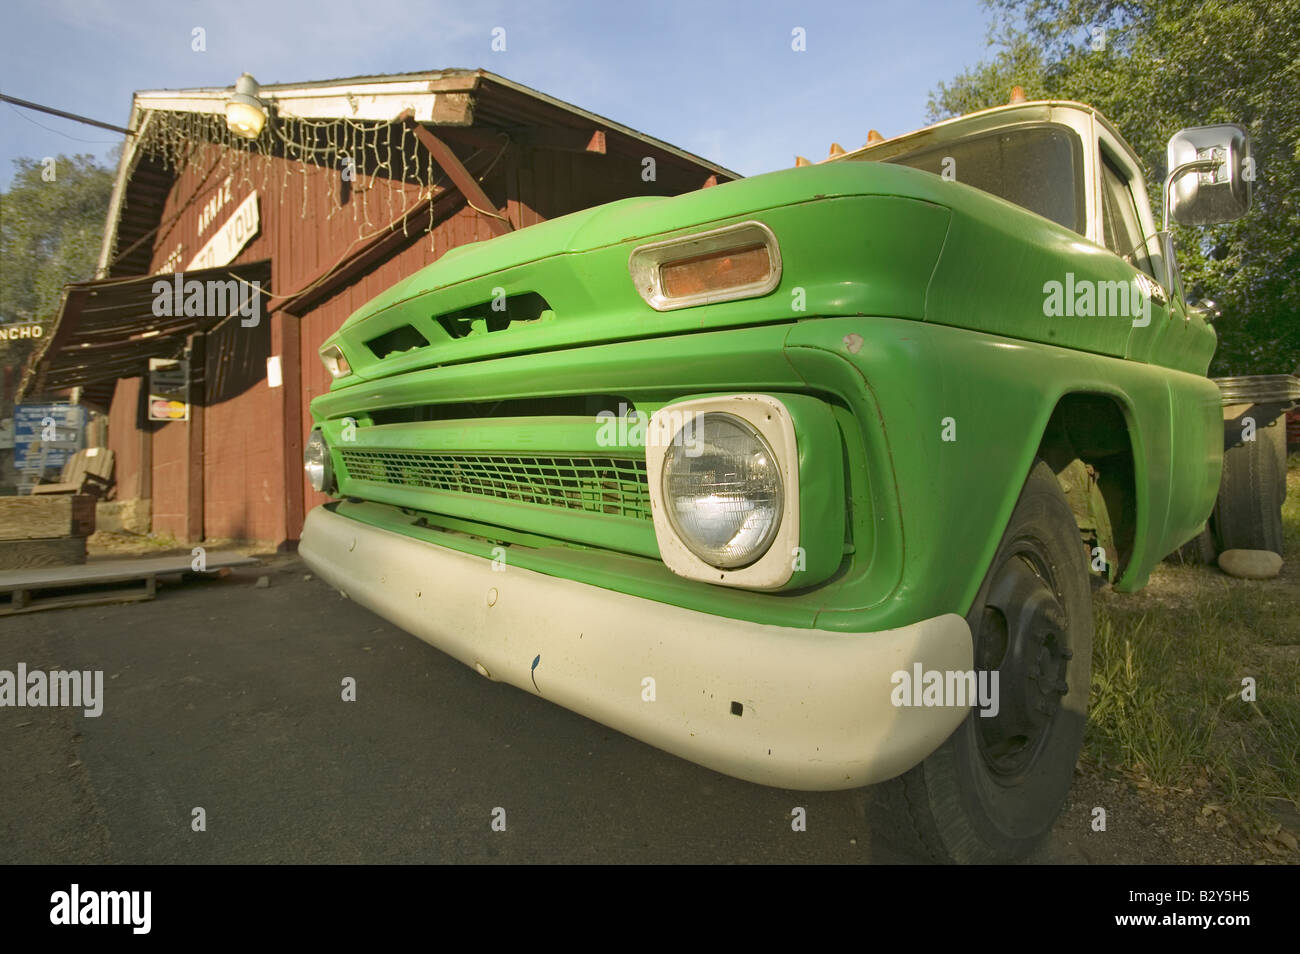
[458, 101]
[467, 107]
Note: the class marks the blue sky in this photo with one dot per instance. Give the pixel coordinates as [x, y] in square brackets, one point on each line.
[717, 79]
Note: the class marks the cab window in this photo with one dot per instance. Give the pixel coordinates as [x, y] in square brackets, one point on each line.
[1039, 168]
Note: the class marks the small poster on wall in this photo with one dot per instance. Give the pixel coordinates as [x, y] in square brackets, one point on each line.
[169, 389]
[45, 436]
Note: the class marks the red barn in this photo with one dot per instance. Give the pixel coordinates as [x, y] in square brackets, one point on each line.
[319, 195]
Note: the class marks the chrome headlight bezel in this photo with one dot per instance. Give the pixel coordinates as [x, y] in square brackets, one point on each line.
[316, 462]
[770, 421]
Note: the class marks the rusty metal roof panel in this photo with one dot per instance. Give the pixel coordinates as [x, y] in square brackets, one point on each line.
[108, 329]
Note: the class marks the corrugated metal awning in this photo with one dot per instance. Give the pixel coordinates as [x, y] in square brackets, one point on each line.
[108, 329]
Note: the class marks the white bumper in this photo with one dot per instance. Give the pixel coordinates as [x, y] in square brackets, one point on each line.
[816, 706]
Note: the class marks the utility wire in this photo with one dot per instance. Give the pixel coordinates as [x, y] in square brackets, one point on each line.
[58, 112]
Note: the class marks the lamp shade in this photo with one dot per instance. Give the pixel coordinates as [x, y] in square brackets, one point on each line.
[245, 113]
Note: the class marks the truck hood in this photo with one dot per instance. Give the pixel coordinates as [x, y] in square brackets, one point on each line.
[566, 281]
[639, 218]
[856, 239]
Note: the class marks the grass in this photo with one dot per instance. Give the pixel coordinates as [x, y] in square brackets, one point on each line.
[1167, 705]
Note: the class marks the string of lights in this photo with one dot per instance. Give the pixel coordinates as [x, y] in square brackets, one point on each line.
[386, 171]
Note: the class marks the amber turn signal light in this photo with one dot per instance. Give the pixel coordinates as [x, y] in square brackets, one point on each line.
[715, 271]
[335, 362]
[736, 261]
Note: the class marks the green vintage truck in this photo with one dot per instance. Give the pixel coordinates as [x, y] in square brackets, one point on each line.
[808, 477]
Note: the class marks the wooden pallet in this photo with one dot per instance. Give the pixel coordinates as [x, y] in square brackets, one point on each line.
[103, 581]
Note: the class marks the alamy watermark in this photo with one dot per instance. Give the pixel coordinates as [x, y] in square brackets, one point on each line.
[950, 688]
[1092, 299]
[59, 688]
[631, 428]
[76, 907]
[177, 297]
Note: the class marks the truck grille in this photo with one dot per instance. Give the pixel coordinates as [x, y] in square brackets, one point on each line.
[593, 484]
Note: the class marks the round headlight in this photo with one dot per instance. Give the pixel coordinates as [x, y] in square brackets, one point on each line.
[722, 490]
[316, 462]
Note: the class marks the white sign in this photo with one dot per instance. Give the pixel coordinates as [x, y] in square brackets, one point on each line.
[227, 241]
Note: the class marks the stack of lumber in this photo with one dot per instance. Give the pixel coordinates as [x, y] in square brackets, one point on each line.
[45, 530]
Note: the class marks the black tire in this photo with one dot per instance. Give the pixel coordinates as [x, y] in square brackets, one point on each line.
[991, 792]
[1198, 551]
[1248, 512]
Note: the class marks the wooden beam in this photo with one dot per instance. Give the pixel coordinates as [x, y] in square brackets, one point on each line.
[469, 186]
[145, 428]
[194, 442]
[458, 83]
[285, 341]
[476, 137]
[453, 109]
[567, 140]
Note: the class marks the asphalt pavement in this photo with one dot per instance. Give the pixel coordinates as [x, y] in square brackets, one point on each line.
[226, 697]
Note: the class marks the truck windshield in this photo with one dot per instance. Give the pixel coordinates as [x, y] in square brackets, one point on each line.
[1037, 167]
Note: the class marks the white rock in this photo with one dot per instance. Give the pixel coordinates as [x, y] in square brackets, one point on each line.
[1250, 564]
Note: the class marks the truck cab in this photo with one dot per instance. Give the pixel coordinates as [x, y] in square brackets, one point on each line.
[1066, 162]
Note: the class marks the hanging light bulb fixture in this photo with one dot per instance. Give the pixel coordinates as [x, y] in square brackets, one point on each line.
[245, 113]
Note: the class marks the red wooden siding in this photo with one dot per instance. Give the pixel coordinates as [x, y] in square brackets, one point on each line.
[243, 492]
[124, 437]
[170, 478]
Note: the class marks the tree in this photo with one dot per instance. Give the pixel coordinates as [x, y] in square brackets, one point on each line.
[1156, 66]
[51, 226]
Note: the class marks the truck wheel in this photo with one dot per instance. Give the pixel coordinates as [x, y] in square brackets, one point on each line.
[1198, 551]
[993, 790]
[1248, 512]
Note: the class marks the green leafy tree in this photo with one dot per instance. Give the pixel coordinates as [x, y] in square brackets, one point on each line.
[1156, 66]
[51, 226]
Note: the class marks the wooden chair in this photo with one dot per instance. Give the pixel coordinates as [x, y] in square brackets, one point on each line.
[88, 471]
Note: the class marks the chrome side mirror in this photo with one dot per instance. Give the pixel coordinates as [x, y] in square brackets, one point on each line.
[1211, 172]
[1206, 308]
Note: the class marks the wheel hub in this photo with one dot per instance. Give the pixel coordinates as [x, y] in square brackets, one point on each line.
[1023, 635]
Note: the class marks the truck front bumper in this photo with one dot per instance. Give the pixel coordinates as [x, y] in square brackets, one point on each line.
[794, 708]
